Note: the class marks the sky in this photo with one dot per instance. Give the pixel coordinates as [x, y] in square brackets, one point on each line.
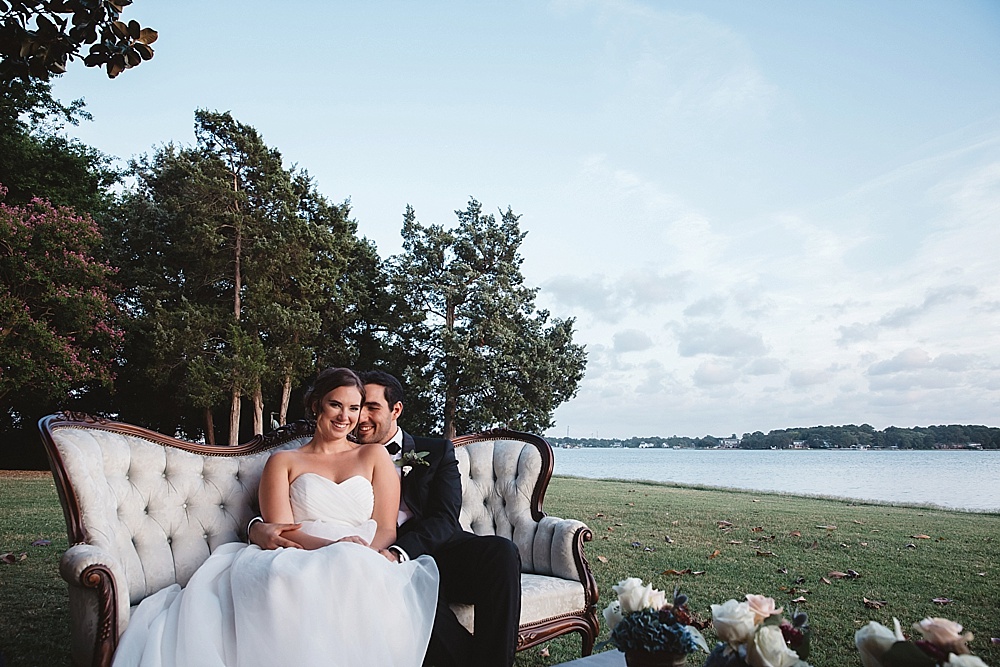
[760, 215]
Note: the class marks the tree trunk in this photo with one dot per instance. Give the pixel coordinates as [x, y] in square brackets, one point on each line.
[234, 419]
[286, 395]
[234, 410]
[258, 411]
[450, 406]
[209, 427]
[450, 377]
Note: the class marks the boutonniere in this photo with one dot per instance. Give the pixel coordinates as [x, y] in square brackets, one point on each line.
[410, 459]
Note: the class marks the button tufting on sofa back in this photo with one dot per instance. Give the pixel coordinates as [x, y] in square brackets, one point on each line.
[160, 510]
[498, 479]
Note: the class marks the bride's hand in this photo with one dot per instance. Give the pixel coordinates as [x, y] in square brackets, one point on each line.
[355, 539]
[271, 535]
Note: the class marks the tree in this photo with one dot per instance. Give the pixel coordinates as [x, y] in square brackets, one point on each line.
[232, 263]
[58, 333]
[38, 160]
[39, 37]
[493, 359]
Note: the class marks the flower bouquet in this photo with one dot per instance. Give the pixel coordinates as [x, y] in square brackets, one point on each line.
[942, 643]
[648, 629]
[754, 634]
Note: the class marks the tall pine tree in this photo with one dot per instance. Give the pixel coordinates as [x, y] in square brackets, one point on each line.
[493, 358]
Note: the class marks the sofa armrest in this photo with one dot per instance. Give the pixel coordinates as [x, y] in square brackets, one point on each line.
[99, 613]
[558, 548]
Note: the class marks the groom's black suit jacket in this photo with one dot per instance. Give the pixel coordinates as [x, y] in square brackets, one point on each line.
[433, 493]
[479, 570]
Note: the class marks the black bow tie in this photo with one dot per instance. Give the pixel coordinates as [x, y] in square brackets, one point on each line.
[392, 448]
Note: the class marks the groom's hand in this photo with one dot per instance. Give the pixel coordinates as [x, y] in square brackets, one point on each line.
[270, 535]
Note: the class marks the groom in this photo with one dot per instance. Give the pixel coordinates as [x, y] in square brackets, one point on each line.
[479, 570]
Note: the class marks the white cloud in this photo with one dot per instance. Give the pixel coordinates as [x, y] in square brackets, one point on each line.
[632, 340]
[764, 366]
[721, 340]
[710, 373]
[807, 377]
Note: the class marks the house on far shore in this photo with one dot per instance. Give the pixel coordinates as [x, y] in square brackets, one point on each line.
[729, 443]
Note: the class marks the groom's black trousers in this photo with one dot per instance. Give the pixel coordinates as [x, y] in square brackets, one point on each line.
[484, 571]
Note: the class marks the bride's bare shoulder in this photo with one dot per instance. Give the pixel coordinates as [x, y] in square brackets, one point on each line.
[282, 459]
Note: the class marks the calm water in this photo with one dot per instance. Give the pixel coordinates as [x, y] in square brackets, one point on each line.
[967, 480]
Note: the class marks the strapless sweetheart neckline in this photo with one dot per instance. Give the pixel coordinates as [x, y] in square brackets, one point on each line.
[323, 477]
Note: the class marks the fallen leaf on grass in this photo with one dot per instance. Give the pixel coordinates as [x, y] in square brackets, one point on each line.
[814, 545]
[649, 548]
[850, 574]
[942, 601]
[618, 524]
[714, 554]
[845, 545]
[757, 529]
[799, 600]
[860, 523]
[686, 570]
[874, 604]
[825, 581]
[8, 558]
[800, 580]
[41, 543]
[795, 533]
[675, 523]
[723, 524]
[754, 500]
[736, 541]
[605, 537]
[995, 641]
[765, 553]
[864, 544]
[827, 527]
[544, 652]
[783, 570]
[667, 539]
[611, 529]
[911, 546]
[980, 574]
[598, 515]
[921, 537]
[631, 504]
[603, 559]
[636, 545]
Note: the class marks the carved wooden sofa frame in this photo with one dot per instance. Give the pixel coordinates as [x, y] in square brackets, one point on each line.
[144, 510]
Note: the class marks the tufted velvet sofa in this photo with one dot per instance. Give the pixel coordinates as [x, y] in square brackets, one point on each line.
[144, 510]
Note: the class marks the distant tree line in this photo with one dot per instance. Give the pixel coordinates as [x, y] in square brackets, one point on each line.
[820, 437]
[199, 290]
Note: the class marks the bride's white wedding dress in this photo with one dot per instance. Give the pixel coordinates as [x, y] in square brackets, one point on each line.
[344, 604]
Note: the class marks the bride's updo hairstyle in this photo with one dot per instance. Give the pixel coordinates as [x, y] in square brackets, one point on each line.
[328, 380]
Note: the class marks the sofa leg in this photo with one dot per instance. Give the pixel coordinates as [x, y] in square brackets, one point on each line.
[588, 643]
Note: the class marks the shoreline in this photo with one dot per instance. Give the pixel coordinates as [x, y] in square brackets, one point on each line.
[850, 502]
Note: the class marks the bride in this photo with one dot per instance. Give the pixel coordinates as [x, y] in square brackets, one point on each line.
[337, 601]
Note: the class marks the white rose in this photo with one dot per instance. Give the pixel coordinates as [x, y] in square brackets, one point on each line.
[633, 595]
[612, 615]
[769, 649]
[733, 622]
[873, 640]
[967, 660]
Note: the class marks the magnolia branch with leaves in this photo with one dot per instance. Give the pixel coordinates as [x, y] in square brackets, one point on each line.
[38, 38]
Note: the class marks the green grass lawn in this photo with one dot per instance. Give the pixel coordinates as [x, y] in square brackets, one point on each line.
[776, 545]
